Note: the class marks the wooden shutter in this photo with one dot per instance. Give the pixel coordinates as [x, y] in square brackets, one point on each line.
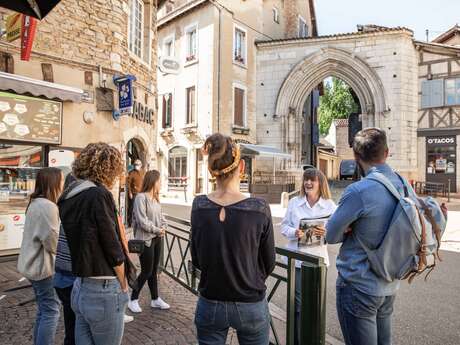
[437, 93]
[6, 63]
[426, 96]
[239, 107]
[170, 112]
[192, 105]
[432, 93]
[163, 114]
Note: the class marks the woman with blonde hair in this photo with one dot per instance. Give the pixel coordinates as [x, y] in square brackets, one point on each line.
[232, 244]
[99, 261]
[314, 202]
[149, 226]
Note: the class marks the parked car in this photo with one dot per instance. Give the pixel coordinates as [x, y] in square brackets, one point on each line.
[347, 169]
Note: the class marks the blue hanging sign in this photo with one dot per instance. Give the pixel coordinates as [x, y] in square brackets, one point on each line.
[125, 94]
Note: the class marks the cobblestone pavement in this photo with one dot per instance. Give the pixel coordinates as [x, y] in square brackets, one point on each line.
[152, 326]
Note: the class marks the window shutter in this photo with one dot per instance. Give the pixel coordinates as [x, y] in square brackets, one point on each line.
[437, 93]
[170, 113]
[239, 104]
[163, 117]
[192, 105]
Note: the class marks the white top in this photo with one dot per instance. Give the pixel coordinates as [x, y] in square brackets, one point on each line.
[299, 208]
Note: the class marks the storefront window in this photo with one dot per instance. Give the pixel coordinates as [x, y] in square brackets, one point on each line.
[441, 160]
[19, 165]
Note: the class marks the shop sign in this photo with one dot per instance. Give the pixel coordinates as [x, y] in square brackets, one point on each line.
[143, 113]
[29, 26]
[30, 119]
[11, 230]
[13, 27]
[440, 140]
[169, 65]
[125, 94]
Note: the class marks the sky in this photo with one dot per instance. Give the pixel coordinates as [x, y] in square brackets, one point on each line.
[339, 16]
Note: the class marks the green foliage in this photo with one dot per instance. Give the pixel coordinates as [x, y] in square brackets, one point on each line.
[336, 103]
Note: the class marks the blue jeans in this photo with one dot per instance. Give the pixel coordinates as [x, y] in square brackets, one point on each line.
[99, 306]
[48, 307]
[250, 320]
[364, 319]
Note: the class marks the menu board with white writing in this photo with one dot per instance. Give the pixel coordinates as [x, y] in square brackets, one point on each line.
[30, 119]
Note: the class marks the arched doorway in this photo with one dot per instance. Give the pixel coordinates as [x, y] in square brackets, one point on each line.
[135, 150]
[302, 83]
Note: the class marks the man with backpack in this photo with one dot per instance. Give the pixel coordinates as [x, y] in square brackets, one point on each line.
[369, 265]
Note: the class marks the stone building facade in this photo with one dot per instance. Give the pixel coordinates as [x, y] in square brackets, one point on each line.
[214, 88]
[79, 48]
[379, 65]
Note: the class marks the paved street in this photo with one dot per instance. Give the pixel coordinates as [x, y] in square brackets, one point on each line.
[419, 306]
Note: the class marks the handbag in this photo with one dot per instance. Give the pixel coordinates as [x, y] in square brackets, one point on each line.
[136, 246]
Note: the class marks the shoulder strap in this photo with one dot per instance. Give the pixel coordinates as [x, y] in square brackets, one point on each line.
[383, 180]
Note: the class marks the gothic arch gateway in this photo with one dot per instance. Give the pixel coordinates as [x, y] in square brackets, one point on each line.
[380, 66]
[326, 62]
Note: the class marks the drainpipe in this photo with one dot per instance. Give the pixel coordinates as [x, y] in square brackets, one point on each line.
[219, 57]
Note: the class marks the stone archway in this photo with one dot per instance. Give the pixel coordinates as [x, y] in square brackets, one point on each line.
[311, 71]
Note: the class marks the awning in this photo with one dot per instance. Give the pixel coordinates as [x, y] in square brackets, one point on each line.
[35, 8]
[263, 151]
[23, 85]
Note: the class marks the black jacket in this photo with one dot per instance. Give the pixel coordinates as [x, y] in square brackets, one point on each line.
[89, 219]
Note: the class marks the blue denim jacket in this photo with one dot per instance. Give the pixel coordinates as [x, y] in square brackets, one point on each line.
[367, 207]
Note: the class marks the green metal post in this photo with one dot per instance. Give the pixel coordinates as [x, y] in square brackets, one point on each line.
[313, 310]
[290, 302]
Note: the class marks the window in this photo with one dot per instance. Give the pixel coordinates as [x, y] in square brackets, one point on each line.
[239, 107]
[452, 96]
[276, 15]
[303, 28]
[239, 46]
[177, 166]
[136, 27]
[191, 44]
[190, 106]
[6, 63]
[168, 47]
[432, 93]
[167, 111]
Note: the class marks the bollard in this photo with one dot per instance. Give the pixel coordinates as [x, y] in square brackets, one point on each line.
[448, 190]
[313, 309]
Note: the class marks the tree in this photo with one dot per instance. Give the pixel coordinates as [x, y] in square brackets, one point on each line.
[336, 103]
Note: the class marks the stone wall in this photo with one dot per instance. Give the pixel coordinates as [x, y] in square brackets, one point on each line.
[92, 32]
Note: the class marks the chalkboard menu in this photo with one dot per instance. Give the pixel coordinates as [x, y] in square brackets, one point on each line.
[30, 119]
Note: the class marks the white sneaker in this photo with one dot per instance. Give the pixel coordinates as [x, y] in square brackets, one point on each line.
[128, 318]
[134, 306]
[159, 303]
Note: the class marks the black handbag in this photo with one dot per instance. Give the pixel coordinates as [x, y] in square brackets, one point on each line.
[136, 246]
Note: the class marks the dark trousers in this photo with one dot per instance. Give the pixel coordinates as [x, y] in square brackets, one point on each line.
[69, 316]
[130, 209]
[150, 260]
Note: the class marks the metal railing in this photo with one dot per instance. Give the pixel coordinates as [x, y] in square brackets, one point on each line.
[176, 263]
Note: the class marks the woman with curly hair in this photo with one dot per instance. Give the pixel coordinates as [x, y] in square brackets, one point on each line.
[89, 219]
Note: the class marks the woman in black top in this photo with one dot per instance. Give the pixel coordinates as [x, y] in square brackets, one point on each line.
[89, 218]
[233, 247]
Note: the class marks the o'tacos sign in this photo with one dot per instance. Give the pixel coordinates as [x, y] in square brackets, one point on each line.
[440, 140]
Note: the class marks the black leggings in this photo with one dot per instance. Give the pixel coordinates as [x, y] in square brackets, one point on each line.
[150, 260]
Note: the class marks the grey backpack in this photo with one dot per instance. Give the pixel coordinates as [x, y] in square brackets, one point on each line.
[411, 243]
